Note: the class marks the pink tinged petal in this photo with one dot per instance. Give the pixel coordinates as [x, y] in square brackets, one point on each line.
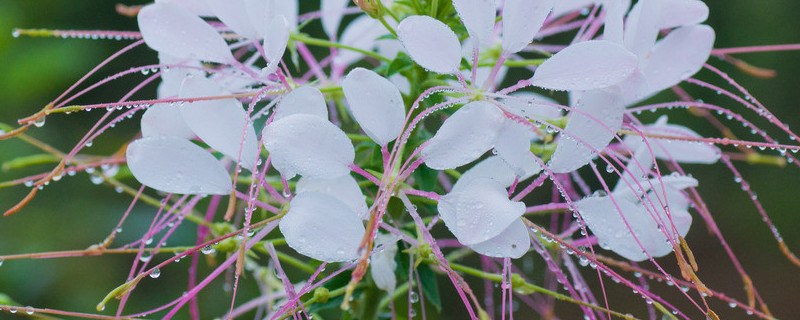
[514, 146]
[585, 133]
[637, 169]
[641, 28]
[375, 103]
[513, 242]
[465, 136]
[219, 123]
[344, 188]
[585, 66]
[683, 13]
[322, 227]
[303, 100]
[164, 119]
[276, 38]
[478, 16]
[615, 12]
[332, 12]
[678, 56]
[634, 88]
[479, 212]
[430, 43]
[522, 19]
[234, 14]
[491, 168]
[309, 146]
[382, 264]
[173, 30]
[175, 165]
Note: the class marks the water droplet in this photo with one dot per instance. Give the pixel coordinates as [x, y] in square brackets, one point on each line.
[732, 304]
[207, 250]
[119, 229]
[96, 179]
[145, 258]
[413, 297]
[88, 143]
[286, 193]
[118, 190]
[609, 168]
[12, 310]
[39, 122]
[155, 273]
[29, 310]
[29, 183]
[145, 71]
[1, 262]
[148, 241]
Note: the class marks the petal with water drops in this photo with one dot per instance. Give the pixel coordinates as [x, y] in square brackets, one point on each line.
[175, 165]
[219, 123]
[513, 242]
[430, 43]
[375, 103]
[678, 56]
[344, 188]
[522, 19]
[478, 16]
[171, 29]
[302, 100]
[683, 13]
[491, 168]
[322, 227]
[593, 124]
[479, 211]
[585, 66]
[163, 119]
[234, 14]
[309, 146]
[513, 144]
[382, 264]
[465, 136]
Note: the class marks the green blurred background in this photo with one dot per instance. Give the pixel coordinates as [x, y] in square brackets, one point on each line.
[74, 213]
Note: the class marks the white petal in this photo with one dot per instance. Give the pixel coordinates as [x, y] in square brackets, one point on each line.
[361, 34]
[173, 30]
[197, 7]
[219, 123]
[522, 19]
[303, 100]
[478, 16]
[513, 242]
[637, 169]
[163, 119]
[308, 145]
[382, 264]
[375, 103]
[465, 136]
[332, 13]
[175, 165]
[344, 188]
[535, 106]
[285, 8]
[321, 227]
[586, 65]
[491, 168]
[430, 43]
[172, 76]
[678, 56]
[683, 13]
[565, 6]
[615, 13]
[276, 37]
[574, 149]
[641, 28]
[514, 146]
[479, 211]
[234, 14]
[679, 151]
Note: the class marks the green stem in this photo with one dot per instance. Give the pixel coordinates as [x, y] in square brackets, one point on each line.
[324, 43]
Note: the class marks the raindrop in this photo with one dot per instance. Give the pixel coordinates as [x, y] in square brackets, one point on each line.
[155, 273]
[145, 258]
[207, 250]
[119, 229]
[96, 179]
[413, 297]
[39, 122]
[145, 71]
[609, 168]
[148, 241]
[89, 143]
[118, 189]
[29, 183]
[287, 193]
[29, 310]
[732, 304]
[12, 310]
[1, 262]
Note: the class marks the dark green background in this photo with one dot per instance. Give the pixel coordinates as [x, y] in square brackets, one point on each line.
[74, 213]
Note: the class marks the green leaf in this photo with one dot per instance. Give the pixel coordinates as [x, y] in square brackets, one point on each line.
[30, 160]
[426, 178]
[401, 63]
[430, 288]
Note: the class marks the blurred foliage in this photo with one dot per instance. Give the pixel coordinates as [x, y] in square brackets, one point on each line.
[74, 213]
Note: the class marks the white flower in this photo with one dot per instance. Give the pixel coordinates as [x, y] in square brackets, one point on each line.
[382, 264]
